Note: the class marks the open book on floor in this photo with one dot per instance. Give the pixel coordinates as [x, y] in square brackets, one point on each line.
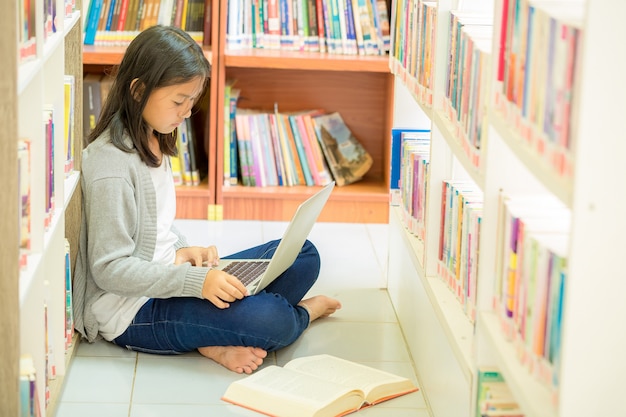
[316, 386]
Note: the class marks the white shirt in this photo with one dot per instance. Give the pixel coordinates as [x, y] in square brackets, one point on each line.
[114, 312]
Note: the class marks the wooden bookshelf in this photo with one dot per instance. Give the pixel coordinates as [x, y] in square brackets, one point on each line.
[360, 88]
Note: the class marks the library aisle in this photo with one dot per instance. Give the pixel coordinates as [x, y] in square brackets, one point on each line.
[107, 381]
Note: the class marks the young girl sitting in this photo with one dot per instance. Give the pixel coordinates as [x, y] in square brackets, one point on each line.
[138, 283]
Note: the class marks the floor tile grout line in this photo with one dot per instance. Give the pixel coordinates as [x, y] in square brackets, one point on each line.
[132, 389]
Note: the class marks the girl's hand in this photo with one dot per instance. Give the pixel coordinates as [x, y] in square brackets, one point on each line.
[221, 288]
[197, 256]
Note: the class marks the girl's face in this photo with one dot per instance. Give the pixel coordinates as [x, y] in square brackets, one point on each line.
[168, 107]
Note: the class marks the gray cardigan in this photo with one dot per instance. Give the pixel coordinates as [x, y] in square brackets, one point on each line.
[118, 237]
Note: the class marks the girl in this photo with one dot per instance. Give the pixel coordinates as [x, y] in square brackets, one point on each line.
[137, 282]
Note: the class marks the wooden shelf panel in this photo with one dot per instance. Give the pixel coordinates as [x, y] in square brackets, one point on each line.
[192, 202]
[363, 202]
[112, 55]
[362, 99]
[278, 59]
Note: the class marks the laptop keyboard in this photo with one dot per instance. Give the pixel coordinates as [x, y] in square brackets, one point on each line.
[246, 271]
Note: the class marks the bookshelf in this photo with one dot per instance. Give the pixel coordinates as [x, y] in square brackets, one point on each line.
[28, 87]
[360, 88]
[448, 346]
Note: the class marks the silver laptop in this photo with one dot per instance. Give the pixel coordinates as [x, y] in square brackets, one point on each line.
[256, 274]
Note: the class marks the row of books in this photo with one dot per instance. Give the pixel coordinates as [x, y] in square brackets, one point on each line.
[27, 35]
[531, 278]
[531, 245]
[467, 79]
[184, 165]
[536, 75]
[413, 24]
[308, 148]
[30, 406]
[347, 27]
[30, 402]
[415, 154]
[493, 395]
[459, 238]
[535, 71]
[117, 22]
[25, 166]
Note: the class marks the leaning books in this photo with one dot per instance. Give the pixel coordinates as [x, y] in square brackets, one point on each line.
[346, 157]
[316, 386]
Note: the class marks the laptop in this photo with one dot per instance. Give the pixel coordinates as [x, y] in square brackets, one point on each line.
[257, 274]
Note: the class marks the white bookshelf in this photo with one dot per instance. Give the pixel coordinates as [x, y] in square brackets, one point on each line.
[27, 88]
[446, 346]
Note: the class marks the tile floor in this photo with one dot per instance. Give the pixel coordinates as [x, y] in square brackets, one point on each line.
[107, 381]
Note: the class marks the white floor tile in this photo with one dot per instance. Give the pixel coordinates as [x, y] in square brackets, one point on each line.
[184, 410]
[103, 348]
[356, 341]
[359, 304]
[90, 409]
[99, 380]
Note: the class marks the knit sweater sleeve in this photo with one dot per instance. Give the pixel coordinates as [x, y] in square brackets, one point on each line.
[120, 210]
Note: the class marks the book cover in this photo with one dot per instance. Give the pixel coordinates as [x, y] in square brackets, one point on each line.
[68, 119]
[320, 165]
[347, 159]
[24, 200]
[300, 150]
[398, 135]
[92, 102]
[316, 386]
[91, 27]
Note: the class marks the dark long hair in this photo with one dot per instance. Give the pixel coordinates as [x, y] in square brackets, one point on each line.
[159, 56]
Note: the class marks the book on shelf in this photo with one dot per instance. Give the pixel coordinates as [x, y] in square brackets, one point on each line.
[30, 405]
[117, 22]
[347, 159]
[316, 386]
[49, 171]
[27, 35]
[92, 102]
[68, 114]
[24, 200]
[348, 27]
[69, 311]
[231, 96]
[493, 396]
[398, 135]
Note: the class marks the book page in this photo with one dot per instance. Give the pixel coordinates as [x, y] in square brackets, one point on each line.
[375, 384]
[280, 391]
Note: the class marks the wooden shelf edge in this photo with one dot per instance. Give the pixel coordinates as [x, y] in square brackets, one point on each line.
[363, 192]
[294, 60]
[112, 55]
[355, 203]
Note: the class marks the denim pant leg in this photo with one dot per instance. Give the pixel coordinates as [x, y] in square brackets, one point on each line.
[270, 320]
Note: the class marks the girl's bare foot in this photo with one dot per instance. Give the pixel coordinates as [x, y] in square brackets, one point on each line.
[240, 359]
[320, 306]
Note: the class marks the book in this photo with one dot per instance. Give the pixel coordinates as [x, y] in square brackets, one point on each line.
[92, 101]
[316, 386]
[68, 122]
[347, 158]
[398, 136]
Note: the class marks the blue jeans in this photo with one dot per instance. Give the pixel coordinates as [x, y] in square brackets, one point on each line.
[269, 320]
